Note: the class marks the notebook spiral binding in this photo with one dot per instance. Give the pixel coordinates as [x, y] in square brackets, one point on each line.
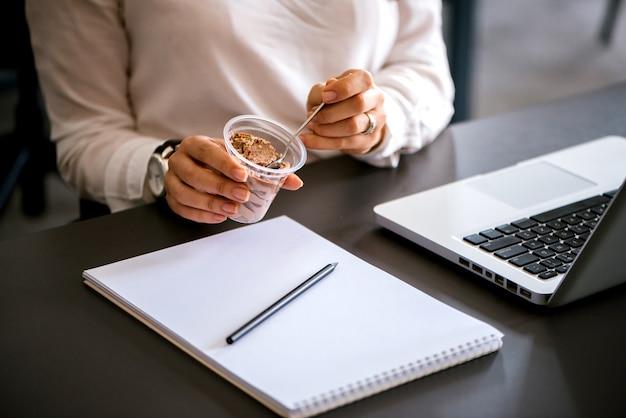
[398, 376]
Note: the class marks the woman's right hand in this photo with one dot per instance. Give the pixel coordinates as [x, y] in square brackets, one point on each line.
[205, 184]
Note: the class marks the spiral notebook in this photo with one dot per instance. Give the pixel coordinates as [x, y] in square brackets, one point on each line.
[357, 332]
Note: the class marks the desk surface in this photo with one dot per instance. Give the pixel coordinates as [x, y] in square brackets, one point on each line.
[66, 351]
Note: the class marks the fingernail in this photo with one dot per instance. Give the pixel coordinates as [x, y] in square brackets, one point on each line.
[217, 218]
[229, 207]
[241, 194]
[239, 174]
[329, 96]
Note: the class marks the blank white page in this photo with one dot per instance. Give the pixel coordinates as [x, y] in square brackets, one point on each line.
[357, 325]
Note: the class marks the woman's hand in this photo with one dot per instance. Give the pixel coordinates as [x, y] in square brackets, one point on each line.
[205, 184]
[344, 123]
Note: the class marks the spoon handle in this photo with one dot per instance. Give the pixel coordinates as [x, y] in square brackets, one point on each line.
[309, 119]
[295, 134]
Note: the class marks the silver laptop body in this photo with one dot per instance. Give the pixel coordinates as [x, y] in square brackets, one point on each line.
[444, 218]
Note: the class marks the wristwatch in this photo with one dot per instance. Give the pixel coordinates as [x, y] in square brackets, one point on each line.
[157, 166]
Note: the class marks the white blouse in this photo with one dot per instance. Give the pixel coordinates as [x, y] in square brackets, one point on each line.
[121, 76]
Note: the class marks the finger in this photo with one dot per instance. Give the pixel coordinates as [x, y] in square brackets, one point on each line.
[211, 153]
[315, 96]
[354, 107]
[350, 126]
[349, 84]
[356, 144]
[292, 182]
[204, 181]
[195, 189]
[314, 141]
[183, 195]
[197, 163]
[347, 135]
[194, 214]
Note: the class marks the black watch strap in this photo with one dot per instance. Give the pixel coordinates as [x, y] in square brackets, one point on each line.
[169, 144]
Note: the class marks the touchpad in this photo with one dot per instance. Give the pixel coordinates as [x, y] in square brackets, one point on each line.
[529, 185]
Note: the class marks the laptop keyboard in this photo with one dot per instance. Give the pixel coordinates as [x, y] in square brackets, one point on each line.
[546, 244]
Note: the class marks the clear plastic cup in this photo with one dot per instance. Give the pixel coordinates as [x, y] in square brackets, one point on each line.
[263, 182]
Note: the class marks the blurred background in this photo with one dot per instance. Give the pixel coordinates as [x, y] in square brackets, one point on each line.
[504, 55]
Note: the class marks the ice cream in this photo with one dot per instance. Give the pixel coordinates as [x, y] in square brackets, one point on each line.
[256, 149]
[253, 141]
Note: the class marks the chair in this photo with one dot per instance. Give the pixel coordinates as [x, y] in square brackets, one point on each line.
[608, 22]
[30, 154]
[460, 27]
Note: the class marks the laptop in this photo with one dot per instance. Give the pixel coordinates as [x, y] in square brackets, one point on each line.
[549, 229]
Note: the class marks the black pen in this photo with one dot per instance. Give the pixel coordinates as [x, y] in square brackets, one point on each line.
[303, 287]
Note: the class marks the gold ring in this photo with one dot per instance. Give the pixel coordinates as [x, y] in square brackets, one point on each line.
[372, 125]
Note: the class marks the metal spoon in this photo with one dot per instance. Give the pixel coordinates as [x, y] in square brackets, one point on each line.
[277, 163]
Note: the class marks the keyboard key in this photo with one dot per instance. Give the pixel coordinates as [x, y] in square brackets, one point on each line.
[571, 220]
[535, 268]
[562, 269]
[524, 223]
[542, 230]
[500, 243]
[547, 274]
[586, 215]
[591, 224]
[574, 242]
[566, 258]
[559, 248]
[556, 224]
[511, 252]
[578, 229]
[544, 253]
[523, 260]
[548, 239]
[526, 235]
[563, 234]
[475, 239]
[533, 245]
[598, 210]
[551, 263]
[491, 233]
[507, 229]
[571, 208]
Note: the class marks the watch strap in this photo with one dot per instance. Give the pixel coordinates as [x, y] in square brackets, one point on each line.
[167, 148]
[162, 154]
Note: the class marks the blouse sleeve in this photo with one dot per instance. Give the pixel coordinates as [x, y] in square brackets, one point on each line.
[82, 56]
[416, 83]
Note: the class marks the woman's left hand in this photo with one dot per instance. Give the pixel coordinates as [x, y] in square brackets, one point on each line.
[353, 119]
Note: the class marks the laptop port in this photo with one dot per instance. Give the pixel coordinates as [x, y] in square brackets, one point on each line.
[488, 274]
[524, 292]
[477, 269]
[511, 286]
[464, 262]
[499, 280]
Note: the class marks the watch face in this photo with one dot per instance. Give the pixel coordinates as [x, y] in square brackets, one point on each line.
[156, 173]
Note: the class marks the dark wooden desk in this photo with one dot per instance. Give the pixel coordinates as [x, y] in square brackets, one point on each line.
[66, 351]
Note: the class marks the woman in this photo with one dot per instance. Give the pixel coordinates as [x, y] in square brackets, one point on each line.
[120, 77]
